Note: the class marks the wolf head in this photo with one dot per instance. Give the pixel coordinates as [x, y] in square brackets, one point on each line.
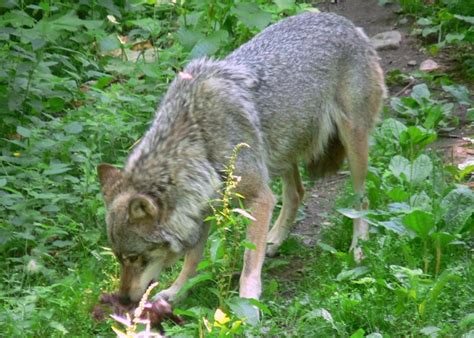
[138, 232]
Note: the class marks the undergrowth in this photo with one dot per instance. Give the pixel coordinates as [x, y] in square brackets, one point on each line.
[78, 86]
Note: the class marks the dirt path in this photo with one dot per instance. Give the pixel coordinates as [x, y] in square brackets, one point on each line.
[319, 203]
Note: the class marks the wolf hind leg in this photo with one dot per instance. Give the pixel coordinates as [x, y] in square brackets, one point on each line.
[293, 193]
[355, 140]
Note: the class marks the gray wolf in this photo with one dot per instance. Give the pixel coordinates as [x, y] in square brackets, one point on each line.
[306, 89]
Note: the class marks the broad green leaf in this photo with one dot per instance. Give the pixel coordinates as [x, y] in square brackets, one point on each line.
[431, 331]
[420, 92]
[109, 43]
[461, 93]
[73, 128]
[420, 222]
[429, 30]
[3, 182]
[327, 247]
[210, 44]
[424, 21]
[416, 136]
[352, 274]
[194, 281]
[353, 213]
[244, 310]
[56, 168]
[392, 128]
[458, 207]
[360, 333]
[320, 313]
[398, 194]
[468, 19]
[451, 37]
[284, 4]
[393, 225]
[23, 131]
[251, 15]
[188, 37]
[399, 166]
[467, 321]
[443, 238]
[148, 24]
[421, 201]
[421, 169]
[58, 326]
[216, 249]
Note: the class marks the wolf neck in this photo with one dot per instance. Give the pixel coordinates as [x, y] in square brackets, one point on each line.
[170, 164]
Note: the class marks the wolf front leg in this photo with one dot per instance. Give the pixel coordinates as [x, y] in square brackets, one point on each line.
[261, 207]
[191, 260]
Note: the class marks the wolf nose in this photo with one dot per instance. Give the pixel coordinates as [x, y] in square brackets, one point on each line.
[125, 300]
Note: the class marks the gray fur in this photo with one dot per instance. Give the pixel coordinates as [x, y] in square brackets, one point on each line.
[286, 93]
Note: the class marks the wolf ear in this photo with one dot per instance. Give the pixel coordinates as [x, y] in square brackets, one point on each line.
[143, 208]
[108, 175]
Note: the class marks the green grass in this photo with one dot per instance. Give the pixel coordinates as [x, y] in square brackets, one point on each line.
[69, 105]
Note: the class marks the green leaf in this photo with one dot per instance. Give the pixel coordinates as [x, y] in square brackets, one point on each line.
[457, 207]
[194, 281]
[431, 331]
[360, 333]
[424, 21]
[421, 169]
[461, 93]
[451, 37]
[327, 247]
[251, 15]
[421, 201]
[23, 131]
[148, 24]
[3, 182]
[109, 44]
[399, 166]
[353, 213]
[284, 4]
[209, 45]
[73, 128]
[58, 326]
[420, 92]
[416, 136]
[468, 19]
[420, 222]
[188, 37]
[320, 313]
[244, 310]
[352, 274]
[249, 245]
[56, 168]
[398, 194]
[392, 128]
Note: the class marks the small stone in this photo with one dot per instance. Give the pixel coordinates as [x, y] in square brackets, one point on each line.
[403, 21]
[386, 40]
[412, 63]
[429, 65]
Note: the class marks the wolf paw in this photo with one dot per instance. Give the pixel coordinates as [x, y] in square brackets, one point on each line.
[167, 294]
[274, 240]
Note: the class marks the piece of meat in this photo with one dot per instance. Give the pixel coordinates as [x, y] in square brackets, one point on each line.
[156, 311]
